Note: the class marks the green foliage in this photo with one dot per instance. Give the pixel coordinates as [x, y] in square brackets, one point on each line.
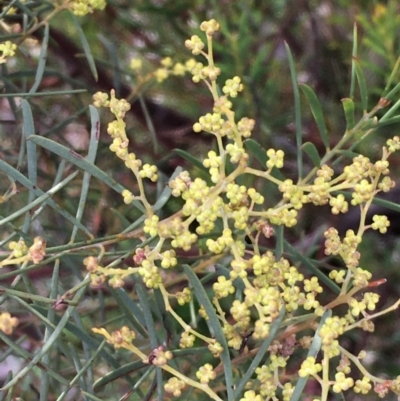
[223, 269]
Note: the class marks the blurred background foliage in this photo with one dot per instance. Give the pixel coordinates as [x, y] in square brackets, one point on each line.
[319, 34]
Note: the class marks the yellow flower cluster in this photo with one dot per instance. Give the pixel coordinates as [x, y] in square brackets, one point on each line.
[84, 7]
[7, 49]
[228, 215]
[7, 323]
[21, 253]
[120, 144]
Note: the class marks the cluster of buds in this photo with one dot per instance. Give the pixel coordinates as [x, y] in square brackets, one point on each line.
[84, 7]
[18, 249]
[7, 49]
[21, 253]
[116, 129]
[7, 323]
[37, 251]
[175, 386]
[167, 69]
[99, 274]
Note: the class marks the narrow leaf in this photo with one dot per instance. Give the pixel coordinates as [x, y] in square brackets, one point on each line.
[392, 120]
[132, 312]
[88, 365]
[216, 326]
[354, 56]
[150, 125]
[165, 195]
[386, 203]
[86, 47]
[279, 235]
[114, 61]
[362, 84]
[94, 134]
[17, 176]
[38, 201]
[40, 94]
[122, 371]
[260, 354]
[89, 339]
[22, 352]
[49, 344]
[312, 152]
[388, 115]
[297, 109]
[257, 65]
[93, 145]
[42, 60]
[316, 111]
[391, 94]
[28, 130]
[348, 153]
[151, 329]
[82, 163]
[314, 349]
[348, 107]
[256, 150]
[191, 159]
